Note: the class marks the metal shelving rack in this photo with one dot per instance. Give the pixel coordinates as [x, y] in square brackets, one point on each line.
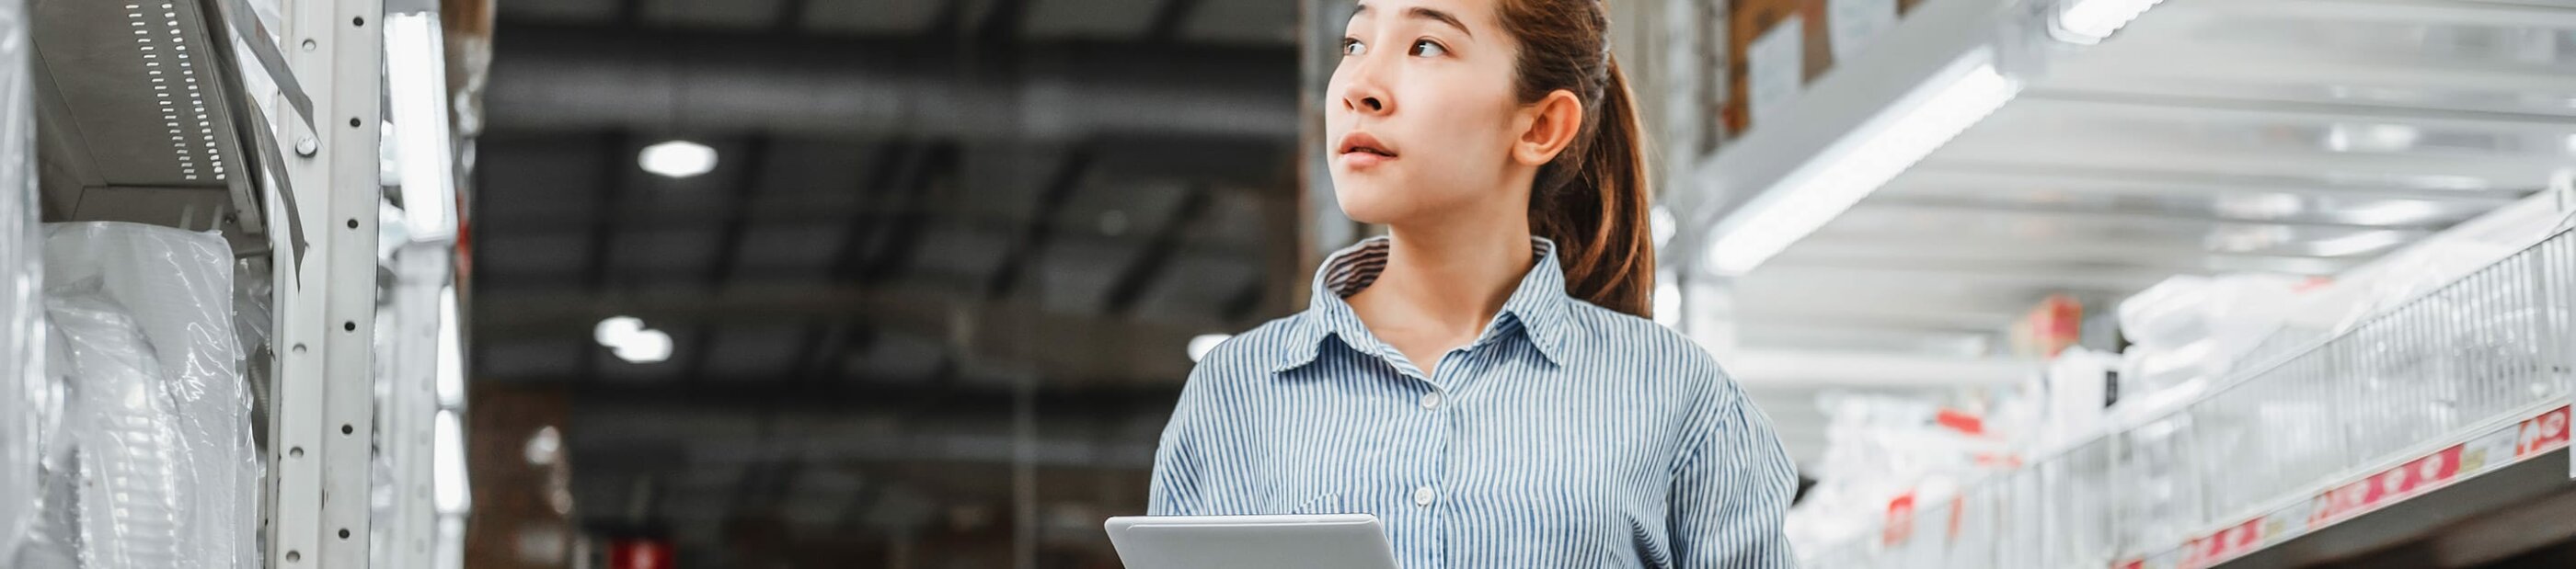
[2328, 452]
[209, 115]
[2310, 101]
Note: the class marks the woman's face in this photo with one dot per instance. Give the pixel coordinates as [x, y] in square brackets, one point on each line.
[1421, 115]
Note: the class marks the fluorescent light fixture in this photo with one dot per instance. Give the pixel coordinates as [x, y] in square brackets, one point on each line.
[451, 358]
[448, 486]
[2395, 212]
[627, 337]
[1200, 345]
[2348, 137]
[1864, 159]
[416, 87]
[2260, 205]
[2356, 243]
[2090, 21]
[677, 159]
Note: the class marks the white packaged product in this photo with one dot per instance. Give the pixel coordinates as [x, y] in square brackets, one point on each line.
[21, 369]
[160, 415]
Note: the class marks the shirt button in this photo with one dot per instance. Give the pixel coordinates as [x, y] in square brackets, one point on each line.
[1423, 496]
[1431, 400]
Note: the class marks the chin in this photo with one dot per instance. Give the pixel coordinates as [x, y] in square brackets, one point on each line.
[1368, 201]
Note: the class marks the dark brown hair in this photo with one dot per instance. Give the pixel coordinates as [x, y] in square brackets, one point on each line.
[1592, 200]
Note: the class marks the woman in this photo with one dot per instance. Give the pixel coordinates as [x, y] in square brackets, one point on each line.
[1482, 379]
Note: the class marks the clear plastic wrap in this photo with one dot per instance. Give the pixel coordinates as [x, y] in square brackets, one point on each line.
[160, 412]
[22, 386]
[133, 512]
[52, 539]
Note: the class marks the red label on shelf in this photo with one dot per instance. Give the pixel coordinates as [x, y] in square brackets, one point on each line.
[2541, 434]
[2548, 431]
[1900, 519]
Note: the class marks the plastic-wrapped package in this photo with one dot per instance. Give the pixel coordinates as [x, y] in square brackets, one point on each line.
[254, 321]
[21, 368]
[2189, 331]
[52, 538]
[175, 288]
[133, 512]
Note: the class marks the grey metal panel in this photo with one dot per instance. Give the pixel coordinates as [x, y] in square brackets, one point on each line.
[139, 81]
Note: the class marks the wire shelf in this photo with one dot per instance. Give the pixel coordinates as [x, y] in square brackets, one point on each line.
[2483, 349]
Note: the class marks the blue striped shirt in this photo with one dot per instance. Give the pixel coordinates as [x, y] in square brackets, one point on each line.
[1566, 435]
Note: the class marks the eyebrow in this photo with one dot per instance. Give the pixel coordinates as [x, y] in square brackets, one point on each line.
[1421, 13]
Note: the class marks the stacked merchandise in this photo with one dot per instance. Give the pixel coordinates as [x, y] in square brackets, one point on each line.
[1900, 453]
[154, 466]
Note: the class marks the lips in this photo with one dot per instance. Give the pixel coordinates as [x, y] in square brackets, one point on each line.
[1362, 143]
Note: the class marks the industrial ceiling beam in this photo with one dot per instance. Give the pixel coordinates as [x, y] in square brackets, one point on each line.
[749, 170]
[1032, 240]
[1110, 350]
[1140, 276]
[560, 77]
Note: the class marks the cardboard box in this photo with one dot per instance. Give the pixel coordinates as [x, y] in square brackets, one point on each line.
[1773, 47]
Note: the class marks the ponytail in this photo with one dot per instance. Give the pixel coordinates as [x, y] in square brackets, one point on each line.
[1592, 200]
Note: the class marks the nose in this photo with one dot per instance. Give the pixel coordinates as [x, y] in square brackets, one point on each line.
[1363, 93]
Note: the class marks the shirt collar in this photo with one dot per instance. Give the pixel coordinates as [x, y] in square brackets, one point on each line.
[1536, 307]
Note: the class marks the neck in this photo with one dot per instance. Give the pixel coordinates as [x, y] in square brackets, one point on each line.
[1451, 278]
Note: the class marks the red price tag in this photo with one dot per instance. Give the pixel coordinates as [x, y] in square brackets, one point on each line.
[2133, 564]
[2434, 470]
[2543, 434]
[2341, 502]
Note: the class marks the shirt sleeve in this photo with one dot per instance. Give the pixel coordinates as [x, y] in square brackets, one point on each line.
[1731, 491]
[1175, 490]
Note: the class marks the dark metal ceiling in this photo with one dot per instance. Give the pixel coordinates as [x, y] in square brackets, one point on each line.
[919, 208]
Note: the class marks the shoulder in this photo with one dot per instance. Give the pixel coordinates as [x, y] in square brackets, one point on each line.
[1250, 355]
[1253, 350]
[1611, 337]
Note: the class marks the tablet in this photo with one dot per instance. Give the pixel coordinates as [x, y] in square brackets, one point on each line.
[1346, 541]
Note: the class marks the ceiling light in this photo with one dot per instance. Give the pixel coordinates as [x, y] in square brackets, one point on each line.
[2347, 137]
[2356, 243]
[2260, 206]
[1864, 159]
[2395, 212]
[614, 329]
[627, 337]
[1200, 345]
[677, 159]
[2090, 21]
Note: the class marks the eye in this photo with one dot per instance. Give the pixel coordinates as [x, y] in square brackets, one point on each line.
[1352, 46]
[1428, 48]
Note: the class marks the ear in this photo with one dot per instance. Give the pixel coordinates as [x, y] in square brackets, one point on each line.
[1553, 123]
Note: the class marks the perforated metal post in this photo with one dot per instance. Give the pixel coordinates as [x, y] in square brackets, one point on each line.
[322, 425]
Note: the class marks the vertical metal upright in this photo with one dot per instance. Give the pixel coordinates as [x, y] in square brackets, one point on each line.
[322, 427]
